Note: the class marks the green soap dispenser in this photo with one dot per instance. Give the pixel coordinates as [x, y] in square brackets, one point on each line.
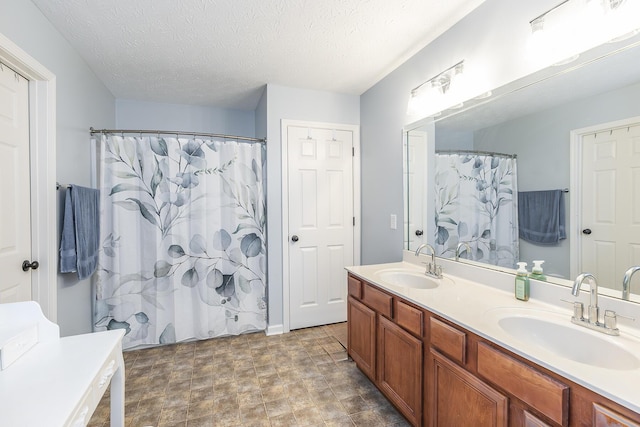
[536, 271]
[522, 282]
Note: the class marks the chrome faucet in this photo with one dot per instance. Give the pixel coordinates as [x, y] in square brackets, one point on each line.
[593, 297]
[592, 322]
[432, 269]
[626, 282]
[467, 249]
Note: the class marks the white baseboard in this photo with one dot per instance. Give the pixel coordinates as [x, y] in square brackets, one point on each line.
[275, 330]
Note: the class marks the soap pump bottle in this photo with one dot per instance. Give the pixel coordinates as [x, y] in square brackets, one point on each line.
[522, 282]
[536, 271]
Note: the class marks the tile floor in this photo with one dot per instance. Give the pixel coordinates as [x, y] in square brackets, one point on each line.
[302, 378]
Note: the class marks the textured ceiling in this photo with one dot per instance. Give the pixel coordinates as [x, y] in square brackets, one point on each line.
[222, 52]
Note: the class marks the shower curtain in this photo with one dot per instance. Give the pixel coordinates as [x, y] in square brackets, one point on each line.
[182, 238]
[476, 203]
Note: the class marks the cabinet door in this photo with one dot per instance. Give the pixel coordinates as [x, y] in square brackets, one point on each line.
[361, 339]
[461, 399]
[400, 369]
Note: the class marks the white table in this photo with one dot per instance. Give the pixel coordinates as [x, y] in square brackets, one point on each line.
[60, 381]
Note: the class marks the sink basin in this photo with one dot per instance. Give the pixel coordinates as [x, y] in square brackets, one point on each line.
[409, 279]
[555, 333]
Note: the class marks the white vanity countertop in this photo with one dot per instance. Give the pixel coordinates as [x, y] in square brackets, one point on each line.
[470, 304]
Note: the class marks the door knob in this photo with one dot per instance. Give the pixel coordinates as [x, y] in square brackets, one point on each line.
[418, 232]
[586, 231]
[294, 238]
[26, 265]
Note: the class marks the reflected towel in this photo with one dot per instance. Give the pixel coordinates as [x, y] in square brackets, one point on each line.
[80, 231]
[541, 216]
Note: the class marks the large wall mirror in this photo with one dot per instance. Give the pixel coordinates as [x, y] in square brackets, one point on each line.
[565, 138]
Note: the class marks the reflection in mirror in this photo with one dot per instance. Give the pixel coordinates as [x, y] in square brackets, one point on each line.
[475, 204]
[574, 134]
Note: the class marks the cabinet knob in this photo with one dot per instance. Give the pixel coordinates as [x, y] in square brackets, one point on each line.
[294, 238]
[26, 265]
[418, 232]
[586, 231]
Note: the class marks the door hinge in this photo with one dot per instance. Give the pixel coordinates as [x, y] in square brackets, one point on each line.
[353, 151]
[354, 220]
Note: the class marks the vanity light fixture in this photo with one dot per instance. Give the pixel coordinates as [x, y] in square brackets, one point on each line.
[430, 96]
[553, 34]
[560, 34]
[484, 95]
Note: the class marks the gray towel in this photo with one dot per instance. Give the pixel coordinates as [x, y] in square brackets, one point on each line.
[80, 231]
[541, 217]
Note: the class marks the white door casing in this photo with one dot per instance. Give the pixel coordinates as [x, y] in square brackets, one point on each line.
[42, 160]
[320, 202]
[608, 202]
[15, 218]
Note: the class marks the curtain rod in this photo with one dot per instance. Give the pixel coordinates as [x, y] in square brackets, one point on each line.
[487, 153]
[174, 132]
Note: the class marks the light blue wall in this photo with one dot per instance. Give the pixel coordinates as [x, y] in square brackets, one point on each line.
[541, 142]
[132, 114]
[492, 40]
[261, 116]
[293, 104]
[82, 101]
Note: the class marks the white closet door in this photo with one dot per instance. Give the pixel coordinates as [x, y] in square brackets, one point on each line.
[610, 241]
[416, 182]
[15, 214]
[321, 231]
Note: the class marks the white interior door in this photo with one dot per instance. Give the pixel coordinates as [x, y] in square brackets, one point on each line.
[416, 183]
[15, 217]
[320, 223]
[610, 208]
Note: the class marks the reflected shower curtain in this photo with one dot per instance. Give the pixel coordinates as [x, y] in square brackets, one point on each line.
[183, 239]
[476, 203]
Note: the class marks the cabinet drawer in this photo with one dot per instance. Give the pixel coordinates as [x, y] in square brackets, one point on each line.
[605, 417]
[355, 287]
[448, 340]
[377, 300]
[409, 318]
[537, 390]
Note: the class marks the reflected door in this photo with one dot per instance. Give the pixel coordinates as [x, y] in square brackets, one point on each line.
[610, 208]
[321, 228]
[15, 219]
[415, 182]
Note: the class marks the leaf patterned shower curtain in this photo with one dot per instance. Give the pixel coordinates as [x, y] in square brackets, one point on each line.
[183, 239]
[476, 203]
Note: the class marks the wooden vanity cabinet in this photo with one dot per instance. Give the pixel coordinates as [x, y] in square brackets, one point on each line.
[500, 389]
[439, 374]
[390, 355]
